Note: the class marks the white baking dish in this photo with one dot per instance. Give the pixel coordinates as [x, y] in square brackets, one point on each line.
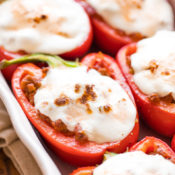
[25, 131]
[46, 159]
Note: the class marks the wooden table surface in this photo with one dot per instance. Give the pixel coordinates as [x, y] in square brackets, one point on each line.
[6, 166]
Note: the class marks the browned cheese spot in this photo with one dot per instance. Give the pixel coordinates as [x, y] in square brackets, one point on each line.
[100, 109]
[77, 88]
[88, 95]
[62, 100]
[40, 18]
[45, 103]
[107, 108]
[152, 66]
[88, 109]
[109, 90]
[166, 73]
[63, 34]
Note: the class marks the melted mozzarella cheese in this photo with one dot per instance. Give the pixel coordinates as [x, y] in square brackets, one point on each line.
[154, 64]
[47, 26]
[109, 116]
[136, 163]
[135, 16]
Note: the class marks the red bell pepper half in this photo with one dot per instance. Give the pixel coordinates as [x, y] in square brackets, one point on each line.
[66, 147]
[159, 116]
[107, 38]
[149, 145]
[8, 56]
[152, 145]
[77, 52]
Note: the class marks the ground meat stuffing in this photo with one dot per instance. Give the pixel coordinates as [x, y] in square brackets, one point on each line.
[44, 71]
[100, 66]
[59, 126]
[154, 98]
[80, 135]
[166, 99]
[128, 62]
[29, 85]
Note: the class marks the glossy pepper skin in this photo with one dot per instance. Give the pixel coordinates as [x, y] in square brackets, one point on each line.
[152, 145]
[159, 116]
[67, 148]
[173, 143]
[149, 145]
[105, 37]
[4, 54]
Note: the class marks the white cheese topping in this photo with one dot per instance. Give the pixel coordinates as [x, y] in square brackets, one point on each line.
[109, 116]
[136, 163]
[47, 26]
[135, 16]
[154, 64]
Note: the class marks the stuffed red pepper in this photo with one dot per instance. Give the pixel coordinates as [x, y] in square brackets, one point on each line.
[82, 110]
[119, 22]
[44, 26]
[149, 68]
[150, 156]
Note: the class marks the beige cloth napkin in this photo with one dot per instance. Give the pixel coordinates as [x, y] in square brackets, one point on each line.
[14, 148]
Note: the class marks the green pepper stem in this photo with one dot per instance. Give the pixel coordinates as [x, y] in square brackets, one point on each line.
[108, 155]
[51, 60]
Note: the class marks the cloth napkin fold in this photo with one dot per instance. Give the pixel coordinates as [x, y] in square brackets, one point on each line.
[14, 148]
